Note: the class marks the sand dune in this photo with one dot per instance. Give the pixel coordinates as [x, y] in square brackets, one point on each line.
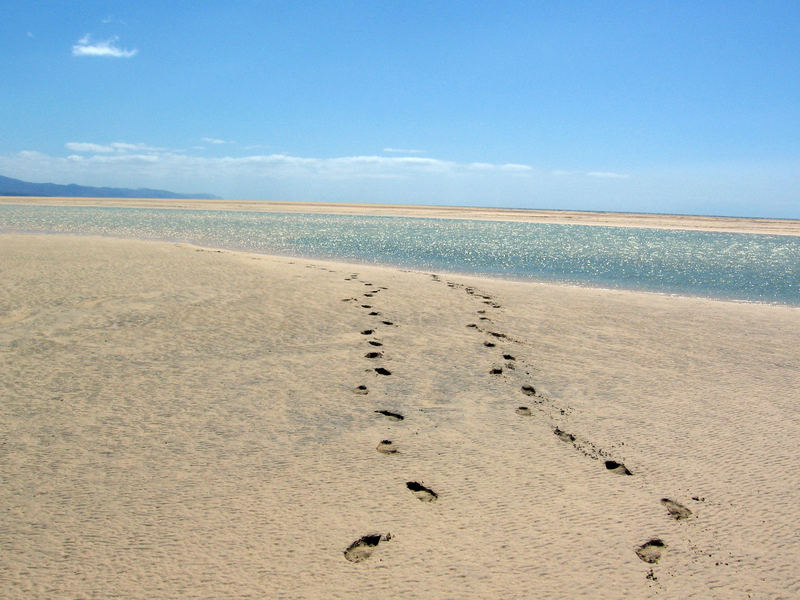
[181, 422]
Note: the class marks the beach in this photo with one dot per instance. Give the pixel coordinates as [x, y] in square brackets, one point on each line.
[187, 422]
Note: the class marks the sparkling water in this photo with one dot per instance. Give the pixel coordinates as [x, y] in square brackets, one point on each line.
[737, 266]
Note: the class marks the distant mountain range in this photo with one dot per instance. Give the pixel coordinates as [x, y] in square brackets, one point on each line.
[17, 187]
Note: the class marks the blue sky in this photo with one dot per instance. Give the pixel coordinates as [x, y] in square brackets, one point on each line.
[688, 107]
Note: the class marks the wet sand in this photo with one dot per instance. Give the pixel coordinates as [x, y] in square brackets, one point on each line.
[185, 422]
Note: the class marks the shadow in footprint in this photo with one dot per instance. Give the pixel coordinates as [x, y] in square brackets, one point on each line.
[362, 548]
[374, 313]
[496, 371]
[362, 389]
[676, 511]
[424, 494]
[387, 322]
[386, 447]
[382, 371]
[374, 343]
[528, 390]
[508, 357]
[392, 415]
[524, 411]
[489, 344]
[373, 355]
[368, 332]
[618, 468]
[651, 550]
[564, 436]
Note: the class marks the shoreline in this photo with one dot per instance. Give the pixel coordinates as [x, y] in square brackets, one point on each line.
[191, 422]
[411, 269]
[763, 226]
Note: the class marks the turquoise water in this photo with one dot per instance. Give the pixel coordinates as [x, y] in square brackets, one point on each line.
[758, 268]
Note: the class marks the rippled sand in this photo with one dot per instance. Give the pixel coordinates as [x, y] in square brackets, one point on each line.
[179, 422]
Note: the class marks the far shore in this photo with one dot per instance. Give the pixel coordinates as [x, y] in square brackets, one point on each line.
[562, 217]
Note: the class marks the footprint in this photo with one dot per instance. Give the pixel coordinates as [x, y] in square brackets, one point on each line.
[362, 548]
[676, 511]
[651, 550]
[481, 312]
[368, 332]
[472, 325]
[362, 389]
[508, 357]
[392, 415]
[424, 494]
[528, 390]
[617, 468]
[386, 447]
[489, 344]
[564, 436]
[387, 322]
[382, 371]
[496, 371]
[368, 295]
[498, 335]
[366, 306]
[374, 313]
[374, 343]
[373, 355]
[524, 411]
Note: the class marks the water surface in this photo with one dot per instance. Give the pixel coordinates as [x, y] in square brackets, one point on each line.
[736, 266]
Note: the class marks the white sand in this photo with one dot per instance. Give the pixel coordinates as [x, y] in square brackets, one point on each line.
[179, 423]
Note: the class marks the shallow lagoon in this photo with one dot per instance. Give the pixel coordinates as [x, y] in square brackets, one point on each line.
[737, 266]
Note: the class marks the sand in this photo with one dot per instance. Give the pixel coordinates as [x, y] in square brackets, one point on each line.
[179, 422]
[562, 217]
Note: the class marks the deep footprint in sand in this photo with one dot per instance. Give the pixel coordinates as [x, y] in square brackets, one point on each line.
[368, 332]
[496, 371]
[386, 447]
[489, 344]
[528, 390]
[374, 313]
[508, 357]
[524, 411]
[650, 551]
[564, 436]
[374, 343]
[618, 468]
[392, 415]
[362, 389]
[676, 511]
[362, 548]
[424, 494]
[373, 355]
[382, 371]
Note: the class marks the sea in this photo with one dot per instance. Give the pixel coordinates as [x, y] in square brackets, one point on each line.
[729, 266]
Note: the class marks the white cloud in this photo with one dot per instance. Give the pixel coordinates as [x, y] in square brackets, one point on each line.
[210, 140]
[87, 147]
[86, 47]
[607, 175]
[119, 147]
[30, 35]
[403, 151]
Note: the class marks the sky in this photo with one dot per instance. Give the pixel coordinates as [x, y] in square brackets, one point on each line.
[676, 107]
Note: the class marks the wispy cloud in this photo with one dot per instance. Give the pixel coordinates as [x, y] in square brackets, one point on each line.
[87, 47]
[30, 35]
[210, 140]
[90, 147]
[149, 161]
[607, 175]
[403, 151]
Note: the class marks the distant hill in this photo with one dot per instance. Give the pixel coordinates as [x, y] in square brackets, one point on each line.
[17, 187]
